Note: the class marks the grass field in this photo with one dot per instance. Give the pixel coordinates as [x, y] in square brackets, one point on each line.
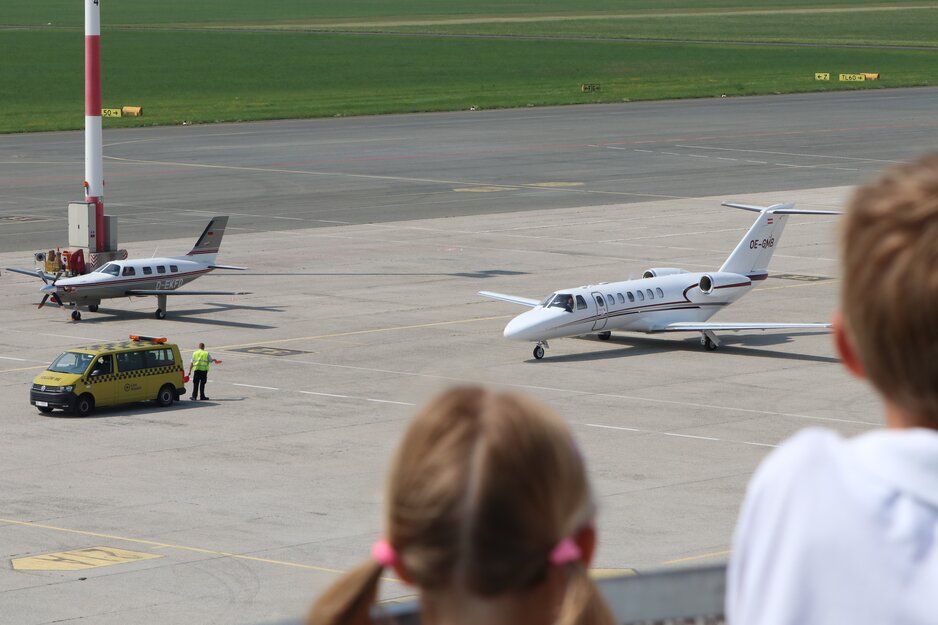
[227, 60]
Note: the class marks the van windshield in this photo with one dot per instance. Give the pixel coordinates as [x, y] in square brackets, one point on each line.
[71, 362]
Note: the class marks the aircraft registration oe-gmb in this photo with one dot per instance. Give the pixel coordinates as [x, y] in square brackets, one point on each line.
[132, 278]
[665, 299]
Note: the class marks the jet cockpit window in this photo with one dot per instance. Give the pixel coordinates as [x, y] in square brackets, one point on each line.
[111, 269]
[580, 303]
[562, 300]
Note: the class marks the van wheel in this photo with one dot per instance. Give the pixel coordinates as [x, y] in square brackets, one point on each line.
[84, 405]
[44, 409]
[166, 395]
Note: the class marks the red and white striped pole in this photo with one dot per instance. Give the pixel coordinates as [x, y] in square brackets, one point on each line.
[94, 154]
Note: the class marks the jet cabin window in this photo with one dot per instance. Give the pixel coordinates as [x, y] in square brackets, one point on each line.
[610, 300]
[580, 303]
[621, 299]
[660, 292]
[650, 294]
[641, 297]
[562, 300]
[110, 269]
[128, 271]
[631, 297]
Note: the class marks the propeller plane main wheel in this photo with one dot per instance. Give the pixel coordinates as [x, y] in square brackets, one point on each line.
[538, 352]
[92, 308]
[605, 336]
[709, 344]
[76, 315]
[160, 313]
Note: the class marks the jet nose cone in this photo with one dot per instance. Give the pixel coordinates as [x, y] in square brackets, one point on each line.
[520, 328]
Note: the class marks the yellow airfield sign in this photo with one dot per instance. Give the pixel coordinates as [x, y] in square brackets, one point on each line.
[79, 559]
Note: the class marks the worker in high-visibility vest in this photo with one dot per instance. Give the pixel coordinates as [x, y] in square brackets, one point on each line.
[201, 360]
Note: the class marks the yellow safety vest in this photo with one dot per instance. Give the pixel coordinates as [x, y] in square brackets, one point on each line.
[200, 360]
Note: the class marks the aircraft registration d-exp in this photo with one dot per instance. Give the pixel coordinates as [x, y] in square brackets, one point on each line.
[132, 278]
[665, 299]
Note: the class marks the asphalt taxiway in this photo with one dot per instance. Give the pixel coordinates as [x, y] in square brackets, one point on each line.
[242, 508]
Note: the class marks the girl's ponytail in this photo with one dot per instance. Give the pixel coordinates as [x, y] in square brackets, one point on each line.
[582, 604]
[349, 600]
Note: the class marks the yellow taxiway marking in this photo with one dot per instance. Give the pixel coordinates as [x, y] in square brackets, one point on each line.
[79, 559]
[373, 331]
[211, 552]
[702, 556]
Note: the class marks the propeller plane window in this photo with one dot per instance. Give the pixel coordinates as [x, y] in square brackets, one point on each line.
[147, 270]
[111, 269]
[128, 271]
[160, 269]
[173, 268]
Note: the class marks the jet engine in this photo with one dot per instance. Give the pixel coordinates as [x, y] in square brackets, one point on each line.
[657, 272]
[721, 280]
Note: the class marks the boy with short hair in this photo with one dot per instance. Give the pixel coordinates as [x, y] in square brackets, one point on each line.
[840, 530]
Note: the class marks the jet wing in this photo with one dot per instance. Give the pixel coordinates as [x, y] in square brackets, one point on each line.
[514, 299]
[690, 326]
[140, 292]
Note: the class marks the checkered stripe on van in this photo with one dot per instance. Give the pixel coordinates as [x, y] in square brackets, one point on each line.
[136, 373]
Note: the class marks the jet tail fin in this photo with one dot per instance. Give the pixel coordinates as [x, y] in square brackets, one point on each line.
[753, 253]
[208, 244]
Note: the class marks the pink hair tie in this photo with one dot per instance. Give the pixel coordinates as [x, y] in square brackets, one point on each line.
[383, 553]
[566, 551]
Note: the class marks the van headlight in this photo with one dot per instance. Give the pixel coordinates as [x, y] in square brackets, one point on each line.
[67, 389]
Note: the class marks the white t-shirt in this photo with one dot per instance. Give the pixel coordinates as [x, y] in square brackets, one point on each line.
[837, 531]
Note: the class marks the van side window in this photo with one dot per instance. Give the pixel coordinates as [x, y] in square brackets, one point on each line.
[173, 268]
[580, 303]
[128, 271]
[631, 297]
[103, 366]
[660, 292]
[130, 361]
[160, 269]
[159, 357]
[148, 270]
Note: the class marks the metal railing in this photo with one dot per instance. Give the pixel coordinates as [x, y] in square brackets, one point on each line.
[681, 596]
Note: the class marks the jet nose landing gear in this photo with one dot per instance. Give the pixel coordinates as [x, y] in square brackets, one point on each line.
[539, 349]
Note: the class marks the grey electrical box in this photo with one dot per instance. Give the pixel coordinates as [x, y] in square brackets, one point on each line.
[110, 227]
[81, 225]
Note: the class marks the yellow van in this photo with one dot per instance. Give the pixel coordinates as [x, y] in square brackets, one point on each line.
[143, 368]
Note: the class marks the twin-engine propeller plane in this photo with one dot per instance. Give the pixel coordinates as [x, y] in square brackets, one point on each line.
[665, 299]
[131, 278]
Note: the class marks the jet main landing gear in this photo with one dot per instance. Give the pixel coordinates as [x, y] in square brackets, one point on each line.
[709, 340]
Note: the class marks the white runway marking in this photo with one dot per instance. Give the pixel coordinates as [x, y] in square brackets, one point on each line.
[675, 434]
[16, 359]
[267, 388]
[379, 401]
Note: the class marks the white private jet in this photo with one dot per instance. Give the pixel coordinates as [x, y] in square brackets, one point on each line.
[131, 278]
[665, 299]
